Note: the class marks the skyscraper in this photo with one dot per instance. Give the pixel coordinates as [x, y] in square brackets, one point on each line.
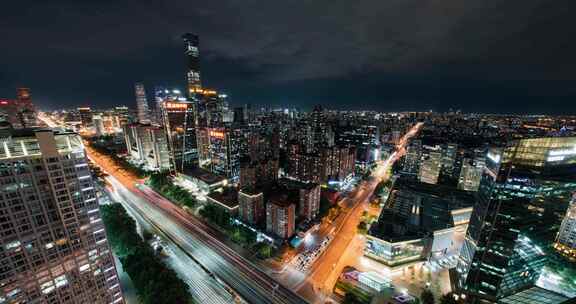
[20, 113]
[224, 153]
[524, 192]
[470, 174]
[147, 145]
[412, 159]
[180, 127]
[54, 246]
[85, 116]
[141, 103]
[192, 52]
[430, 165]
[566, 240]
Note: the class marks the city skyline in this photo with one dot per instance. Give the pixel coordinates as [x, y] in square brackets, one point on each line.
[398, 152]
[473, 57]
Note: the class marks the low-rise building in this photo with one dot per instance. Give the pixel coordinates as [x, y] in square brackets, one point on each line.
[227, 199]
[201, 181]
[374, 280]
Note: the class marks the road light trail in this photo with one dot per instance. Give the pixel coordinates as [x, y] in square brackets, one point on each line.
[197, 239]
[203, 287]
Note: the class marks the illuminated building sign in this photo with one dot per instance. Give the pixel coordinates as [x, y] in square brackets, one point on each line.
[560, 155]
[217, 134]
[203, 91]
[175, 106]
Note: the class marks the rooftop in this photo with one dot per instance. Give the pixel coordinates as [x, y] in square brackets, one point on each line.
[457, 198]
[203, 175]
[534, 295]
[292, 184]
[394, 227]
[227, 199]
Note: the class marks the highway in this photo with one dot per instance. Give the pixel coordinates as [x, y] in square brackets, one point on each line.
[203, 287]
[198, 240]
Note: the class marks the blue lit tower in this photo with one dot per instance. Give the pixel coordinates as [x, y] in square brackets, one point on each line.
[524, 192]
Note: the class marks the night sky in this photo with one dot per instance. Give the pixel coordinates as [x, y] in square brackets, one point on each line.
[493, 56]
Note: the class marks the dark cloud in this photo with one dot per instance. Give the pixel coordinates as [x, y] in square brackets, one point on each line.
[381, 54]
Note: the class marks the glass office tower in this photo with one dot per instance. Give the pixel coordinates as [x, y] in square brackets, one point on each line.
[523, 196]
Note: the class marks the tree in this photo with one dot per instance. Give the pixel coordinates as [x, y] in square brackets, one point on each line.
[154, 281]
[379, 187]
[263, 249]
[325, 206]
[362, 227]
[351, 298]
[427, 297]
[216, 215]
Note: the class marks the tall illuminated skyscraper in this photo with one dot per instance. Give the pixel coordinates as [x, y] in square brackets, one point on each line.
[180, 127]
[141, 103]
[524, 192]
[53, 243]
[566, 240]
[191, 44]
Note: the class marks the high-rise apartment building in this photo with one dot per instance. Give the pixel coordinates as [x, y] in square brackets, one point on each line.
[330, 164]
[251, 205]
[566, 239]
[54, 246]
[524, 193]
[254, 173]
[309, 201]
[337, 163]
[303, 166]
[141, 103]
[280, 216]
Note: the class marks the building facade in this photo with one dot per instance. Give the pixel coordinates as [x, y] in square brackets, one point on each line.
[54, 245]
[147, 145]
[280, 217]
[180, 126]
[142, 104]
[309, 201]
[523, 194]
[566, 240]
[251, 206]
[430, 165]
